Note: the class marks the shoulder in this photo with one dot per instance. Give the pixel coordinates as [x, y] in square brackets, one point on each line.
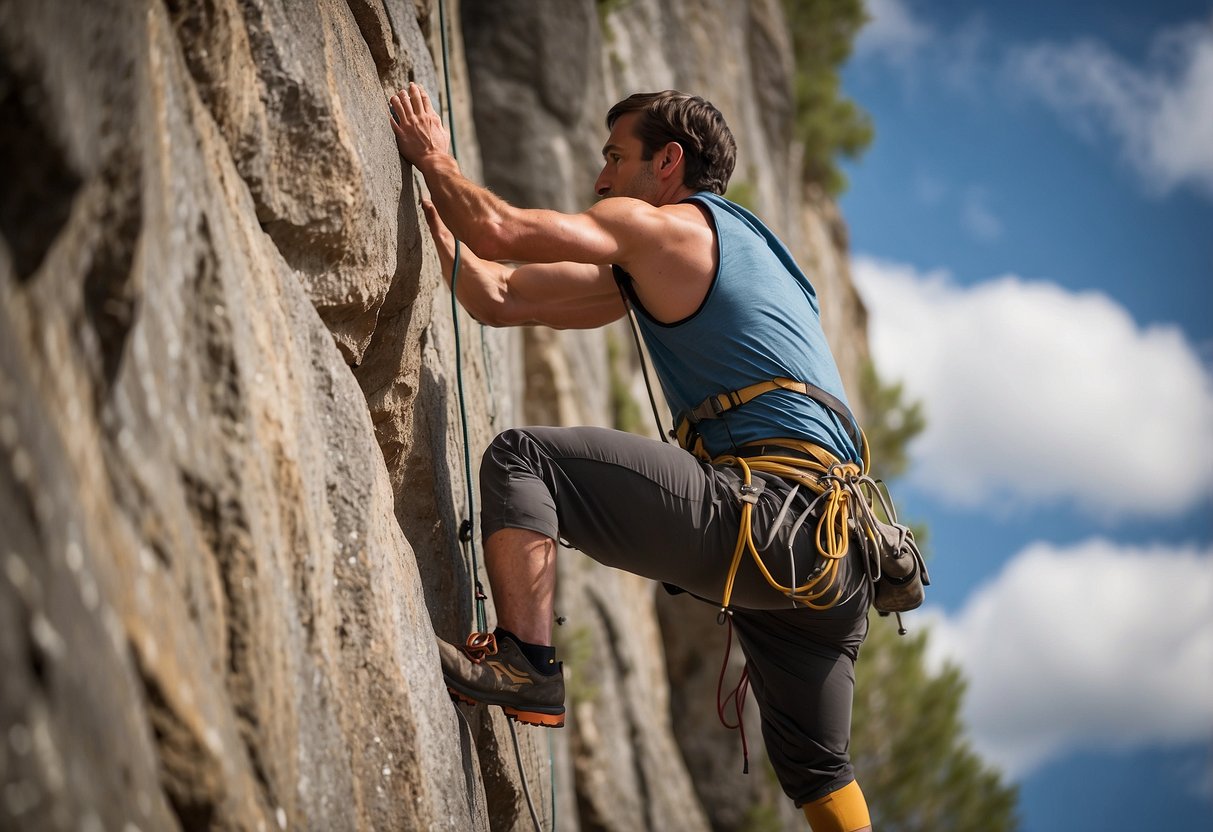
[669, 250]
[637, 220]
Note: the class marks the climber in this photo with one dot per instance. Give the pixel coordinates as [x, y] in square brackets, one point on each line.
[721, 305]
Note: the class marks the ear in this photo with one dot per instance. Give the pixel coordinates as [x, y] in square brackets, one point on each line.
[668, 161]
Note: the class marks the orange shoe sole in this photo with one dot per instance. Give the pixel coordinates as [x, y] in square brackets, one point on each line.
[534, 717]
[517, 714]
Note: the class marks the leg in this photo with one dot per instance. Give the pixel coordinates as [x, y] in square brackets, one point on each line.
[588, 486]
[801, 667]
[521, 565]
[612, 494]
[522, 572]
[630, 503]
[844, 810]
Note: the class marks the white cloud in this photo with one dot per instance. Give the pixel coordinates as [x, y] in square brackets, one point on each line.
[957, 53]
[1034, 394]
[893, 32]
[1095, 646]
[1161, 114]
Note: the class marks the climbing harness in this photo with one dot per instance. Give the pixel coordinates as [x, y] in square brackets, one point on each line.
[713, 407]
[845, 503]
[845, 500]
[481, 640]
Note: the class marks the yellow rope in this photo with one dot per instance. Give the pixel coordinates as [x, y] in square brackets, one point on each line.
[832, 532]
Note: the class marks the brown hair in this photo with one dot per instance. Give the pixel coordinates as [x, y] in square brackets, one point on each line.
[670, 116]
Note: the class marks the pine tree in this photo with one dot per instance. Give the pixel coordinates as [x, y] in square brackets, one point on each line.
[828, 123]
[908, 742]
[908, 745]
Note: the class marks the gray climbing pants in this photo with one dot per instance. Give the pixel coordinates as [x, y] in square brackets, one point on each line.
[655, 510]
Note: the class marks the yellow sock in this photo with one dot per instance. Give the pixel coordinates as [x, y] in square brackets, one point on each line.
[844, 810]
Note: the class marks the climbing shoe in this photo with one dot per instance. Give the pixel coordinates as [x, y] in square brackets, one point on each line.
[487, 671]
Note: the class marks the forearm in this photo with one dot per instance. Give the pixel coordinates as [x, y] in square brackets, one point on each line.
[566, 295]
[496, 230]
[474, 214]
[481, 286]
[499, 295]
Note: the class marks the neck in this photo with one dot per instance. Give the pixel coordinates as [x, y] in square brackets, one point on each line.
[673, 193]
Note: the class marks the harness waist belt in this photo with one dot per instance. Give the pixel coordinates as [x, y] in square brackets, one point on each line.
[788, 452]
[715, 406]
[767, 449]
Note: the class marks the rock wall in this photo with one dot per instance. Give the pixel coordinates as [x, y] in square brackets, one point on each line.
[231, 447]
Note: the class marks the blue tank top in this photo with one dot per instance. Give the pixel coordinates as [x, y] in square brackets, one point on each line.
[760, 320]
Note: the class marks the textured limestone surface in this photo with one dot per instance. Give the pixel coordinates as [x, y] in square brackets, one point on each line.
[211, 615]
[231, 443]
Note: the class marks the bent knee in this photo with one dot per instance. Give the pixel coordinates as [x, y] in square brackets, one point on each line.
[506, 452]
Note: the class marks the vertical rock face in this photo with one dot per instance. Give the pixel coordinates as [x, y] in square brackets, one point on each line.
[211, 616]
[294, 91]
[231, 442]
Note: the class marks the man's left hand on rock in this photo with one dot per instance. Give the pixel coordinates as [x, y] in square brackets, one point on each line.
[418, 128]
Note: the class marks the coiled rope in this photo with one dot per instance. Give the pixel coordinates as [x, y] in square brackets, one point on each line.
[838, 489]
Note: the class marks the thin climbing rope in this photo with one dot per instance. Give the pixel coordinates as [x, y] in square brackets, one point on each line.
[526, 790]
[467, 536]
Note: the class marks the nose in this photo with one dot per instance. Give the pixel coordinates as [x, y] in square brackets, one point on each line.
[602, 186]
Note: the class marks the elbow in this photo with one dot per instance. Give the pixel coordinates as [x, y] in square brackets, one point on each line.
[504, 315]
[490, 318]
[490, 312]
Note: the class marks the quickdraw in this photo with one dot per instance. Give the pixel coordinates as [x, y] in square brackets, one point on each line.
[480, 646]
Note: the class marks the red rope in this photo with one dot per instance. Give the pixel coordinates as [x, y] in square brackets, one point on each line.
[738, 696]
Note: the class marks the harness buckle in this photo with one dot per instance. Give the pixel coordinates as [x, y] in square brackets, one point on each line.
[748, 493]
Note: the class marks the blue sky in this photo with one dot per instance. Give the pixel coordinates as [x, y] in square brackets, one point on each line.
[1033, 233]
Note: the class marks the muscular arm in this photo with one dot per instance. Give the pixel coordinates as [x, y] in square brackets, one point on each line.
[489, 225]
[670, 250]
[559, 295]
